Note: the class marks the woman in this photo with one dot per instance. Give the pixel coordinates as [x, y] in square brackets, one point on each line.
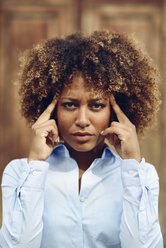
[73, 190]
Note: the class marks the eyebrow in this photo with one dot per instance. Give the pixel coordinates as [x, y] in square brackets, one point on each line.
[73, 99]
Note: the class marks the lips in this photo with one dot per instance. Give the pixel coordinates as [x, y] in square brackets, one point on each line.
[82, 136]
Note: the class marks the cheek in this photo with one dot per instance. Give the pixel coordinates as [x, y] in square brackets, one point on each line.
[103, 120]
[63, 120]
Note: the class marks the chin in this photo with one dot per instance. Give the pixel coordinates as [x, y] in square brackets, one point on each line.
[84, 147]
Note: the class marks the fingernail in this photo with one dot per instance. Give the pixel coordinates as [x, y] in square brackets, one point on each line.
[102, 132]
[57, 140]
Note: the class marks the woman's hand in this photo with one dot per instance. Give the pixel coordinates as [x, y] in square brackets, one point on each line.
[44, 135]
[122, 135]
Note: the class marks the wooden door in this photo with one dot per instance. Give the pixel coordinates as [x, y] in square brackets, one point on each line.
[22, 26]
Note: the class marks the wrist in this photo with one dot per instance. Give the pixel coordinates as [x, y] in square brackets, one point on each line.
[32, 157]
[138, 158]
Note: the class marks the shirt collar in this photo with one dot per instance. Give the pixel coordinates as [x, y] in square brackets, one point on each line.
[107, 153]
[61, 150]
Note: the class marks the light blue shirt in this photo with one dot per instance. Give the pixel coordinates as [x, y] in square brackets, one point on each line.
[117, 205]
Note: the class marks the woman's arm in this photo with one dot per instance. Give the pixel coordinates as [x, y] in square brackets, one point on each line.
[23, 202]
[140, 226]
[23, 187]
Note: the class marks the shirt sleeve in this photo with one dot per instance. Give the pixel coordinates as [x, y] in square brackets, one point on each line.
[140, 226]
[23, 203]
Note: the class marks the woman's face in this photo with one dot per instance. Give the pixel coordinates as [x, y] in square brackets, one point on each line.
[82, 114]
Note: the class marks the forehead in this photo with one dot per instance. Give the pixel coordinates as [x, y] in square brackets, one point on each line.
[80, 87]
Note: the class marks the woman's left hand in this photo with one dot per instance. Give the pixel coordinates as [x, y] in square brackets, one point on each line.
[122, 135]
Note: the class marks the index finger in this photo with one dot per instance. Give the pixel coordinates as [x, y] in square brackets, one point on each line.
[119, 113]
[45, 116]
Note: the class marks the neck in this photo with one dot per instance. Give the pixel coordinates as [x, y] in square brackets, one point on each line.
[85, 159]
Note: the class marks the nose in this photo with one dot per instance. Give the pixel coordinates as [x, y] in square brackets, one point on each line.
[82, 118]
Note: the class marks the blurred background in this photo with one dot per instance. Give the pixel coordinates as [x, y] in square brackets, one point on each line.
[25, 22]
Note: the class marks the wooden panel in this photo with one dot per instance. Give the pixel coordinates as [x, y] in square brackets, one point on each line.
[20, 28]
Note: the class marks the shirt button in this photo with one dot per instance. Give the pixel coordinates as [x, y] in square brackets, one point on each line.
[131, 172]
[141, 171]
[141, 208]
[35, 173]
[82, 199]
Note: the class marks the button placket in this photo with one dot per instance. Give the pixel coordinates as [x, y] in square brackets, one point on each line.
[84, 186]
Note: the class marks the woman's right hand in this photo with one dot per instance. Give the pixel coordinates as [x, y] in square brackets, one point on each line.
[44, 135]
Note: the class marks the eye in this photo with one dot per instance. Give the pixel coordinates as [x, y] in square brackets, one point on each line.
[97, 106]
[69, 105]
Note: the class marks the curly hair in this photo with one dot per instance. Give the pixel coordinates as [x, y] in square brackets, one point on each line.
[109, 61]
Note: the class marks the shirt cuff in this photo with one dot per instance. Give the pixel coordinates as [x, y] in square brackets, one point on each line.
[34, 174]
[133, 172]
